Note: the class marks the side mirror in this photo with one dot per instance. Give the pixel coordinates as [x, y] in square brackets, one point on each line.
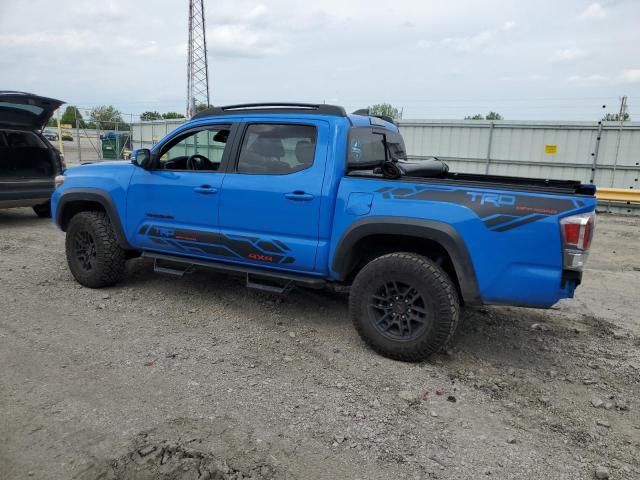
[142, 158]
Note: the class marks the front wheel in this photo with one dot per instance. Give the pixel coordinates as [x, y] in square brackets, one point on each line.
[93, 254]
[404, 306]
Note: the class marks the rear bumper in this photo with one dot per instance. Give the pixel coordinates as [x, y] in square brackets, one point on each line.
[25, 194]
[532, 286]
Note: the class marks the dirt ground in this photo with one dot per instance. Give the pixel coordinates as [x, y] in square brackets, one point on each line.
[198, 378]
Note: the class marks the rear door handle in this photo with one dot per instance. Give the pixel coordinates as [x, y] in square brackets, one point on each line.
[298, 196]
[206, 190]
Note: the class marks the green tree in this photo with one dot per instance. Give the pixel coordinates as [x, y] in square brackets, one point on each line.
[107, 117]
[385, 109]
[202, 106]
[147, 116]
[490, 116]
[172, 115]
[615, 117]
[70, 114]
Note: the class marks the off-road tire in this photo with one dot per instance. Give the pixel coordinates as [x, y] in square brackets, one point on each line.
[107, 264]
[43, 210]
[438, 299]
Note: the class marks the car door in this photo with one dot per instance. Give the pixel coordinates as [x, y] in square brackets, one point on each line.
[173, 207]
[271, 194]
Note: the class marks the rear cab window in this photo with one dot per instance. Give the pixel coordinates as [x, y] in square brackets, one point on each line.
[277, 149]
[369, 147]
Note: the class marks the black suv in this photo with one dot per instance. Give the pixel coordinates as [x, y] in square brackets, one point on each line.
[28, 162]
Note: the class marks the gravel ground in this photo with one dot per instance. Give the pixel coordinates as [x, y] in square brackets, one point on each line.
[198, 378]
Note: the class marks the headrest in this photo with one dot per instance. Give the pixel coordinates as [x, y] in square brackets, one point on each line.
[304, 152]
[268, 147]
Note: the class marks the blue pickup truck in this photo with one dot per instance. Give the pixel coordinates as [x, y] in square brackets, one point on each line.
[308, 195]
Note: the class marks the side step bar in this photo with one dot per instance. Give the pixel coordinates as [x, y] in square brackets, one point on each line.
[265, 280]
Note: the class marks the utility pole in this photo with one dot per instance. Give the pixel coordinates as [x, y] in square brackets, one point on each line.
[197, 67]
[60, 147]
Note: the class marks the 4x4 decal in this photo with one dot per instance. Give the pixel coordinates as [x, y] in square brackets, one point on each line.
[207, 243]
[499, 212]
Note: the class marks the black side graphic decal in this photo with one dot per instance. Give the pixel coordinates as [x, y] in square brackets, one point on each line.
[499, 212]
[240, 247]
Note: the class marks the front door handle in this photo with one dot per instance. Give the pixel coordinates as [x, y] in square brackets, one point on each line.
[206, 190]
[298, 196]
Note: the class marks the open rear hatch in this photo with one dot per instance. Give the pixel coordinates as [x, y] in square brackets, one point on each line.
[25, 110]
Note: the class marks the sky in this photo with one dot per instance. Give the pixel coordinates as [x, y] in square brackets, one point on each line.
[528, 60]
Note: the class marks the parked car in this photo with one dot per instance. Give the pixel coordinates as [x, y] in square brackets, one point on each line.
[67, 136]
[301, 194]
[28, 162]
[50, 135]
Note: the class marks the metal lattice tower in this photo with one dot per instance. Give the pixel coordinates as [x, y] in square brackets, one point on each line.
[197, 67]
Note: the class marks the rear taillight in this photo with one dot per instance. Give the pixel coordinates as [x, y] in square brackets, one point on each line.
[577, 232]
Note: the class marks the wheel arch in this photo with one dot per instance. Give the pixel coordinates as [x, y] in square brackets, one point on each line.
[375, 236]
[79, 200]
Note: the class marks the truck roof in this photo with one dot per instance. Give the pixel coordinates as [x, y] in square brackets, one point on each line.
[356, 119]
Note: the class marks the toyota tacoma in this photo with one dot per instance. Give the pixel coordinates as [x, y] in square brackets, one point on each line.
[308, 195]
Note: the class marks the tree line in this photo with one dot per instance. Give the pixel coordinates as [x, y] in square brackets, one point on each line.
[107, 117]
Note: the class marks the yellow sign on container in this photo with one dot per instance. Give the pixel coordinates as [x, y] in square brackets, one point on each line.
[551, 149]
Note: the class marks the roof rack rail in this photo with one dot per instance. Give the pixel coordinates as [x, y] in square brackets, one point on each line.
[274, 107]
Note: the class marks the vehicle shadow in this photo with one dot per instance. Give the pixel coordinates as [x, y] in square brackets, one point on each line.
[210, 288]
[500, 336]
[20, 216]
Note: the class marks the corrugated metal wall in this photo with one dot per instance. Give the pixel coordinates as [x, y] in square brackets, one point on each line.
[147, 134]
[605, 153]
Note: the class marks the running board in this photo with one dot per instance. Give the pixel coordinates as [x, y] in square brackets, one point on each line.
[175, 269]
[265, 280]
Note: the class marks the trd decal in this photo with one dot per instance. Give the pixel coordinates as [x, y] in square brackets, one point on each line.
[499, 212]
[493, 198]
[206, 243]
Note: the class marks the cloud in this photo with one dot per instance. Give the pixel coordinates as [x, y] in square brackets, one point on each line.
[71, 39]
[241, 41]
[468, 44]
[594, 11]
[256, 16]
[569, 55]
[631, 75]
[150, 48]
[587, 79]
[508, 25]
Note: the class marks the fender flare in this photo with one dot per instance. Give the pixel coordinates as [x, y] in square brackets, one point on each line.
[442, 233]
[100, 197]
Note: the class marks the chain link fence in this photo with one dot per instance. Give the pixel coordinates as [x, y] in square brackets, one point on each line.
[84, 140]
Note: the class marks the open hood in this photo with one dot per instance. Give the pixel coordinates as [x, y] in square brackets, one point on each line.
[26, 110]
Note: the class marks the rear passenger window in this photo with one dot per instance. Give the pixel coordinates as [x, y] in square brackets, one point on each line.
[277, 149]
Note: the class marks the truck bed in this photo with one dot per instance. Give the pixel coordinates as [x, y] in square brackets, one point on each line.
[537, 185]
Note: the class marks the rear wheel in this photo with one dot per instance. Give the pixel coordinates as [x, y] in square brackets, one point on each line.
[93, 254]
[43, 210]
[404, 306]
